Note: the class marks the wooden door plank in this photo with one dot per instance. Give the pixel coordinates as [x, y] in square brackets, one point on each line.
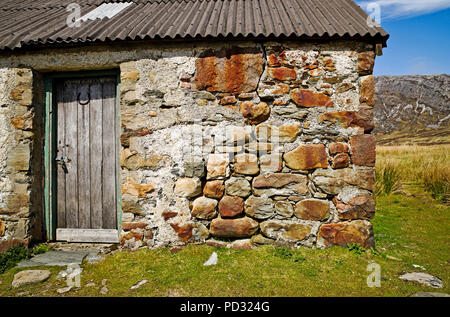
[109, 156]
[60, 151]
[96, 155]
[84, 182]
[71, 135]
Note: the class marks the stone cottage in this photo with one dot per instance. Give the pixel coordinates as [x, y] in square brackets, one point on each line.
[165, 122]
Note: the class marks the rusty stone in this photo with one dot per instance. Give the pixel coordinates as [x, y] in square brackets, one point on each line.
[341, 160]
[233, 228]
[169, 214]
[338, 148]
[23, 95]
[328, 64]
[360, 207]
[308, 98]
[255, 114]
[126, 134]
[214, 189]
[2, 228]
[363, 149]
[231, 70]
[273, 61]
[362, 118]
[345, 118]
[231, 206]
[344, 87]
[246, 164]
[297, 231]
[282, 73]
[204, 208]
[228, 100]
[23, 122]
[133, 225]
[367, 91]
[312, 209]
[307, 157]
[281, 90]
[130, 187]
[366, 62]
[130, 235]
[184, 232]
[344, 233]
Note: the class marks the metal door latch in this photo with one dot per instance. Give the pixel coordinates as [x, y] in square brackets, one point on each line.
[62, 160]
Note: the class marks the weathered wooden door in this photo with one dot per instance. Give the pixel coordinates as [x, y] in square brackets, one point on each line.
[85, 158]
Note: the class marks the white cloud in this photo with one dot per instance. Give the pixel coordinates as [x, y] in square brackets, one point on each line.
[407, 8]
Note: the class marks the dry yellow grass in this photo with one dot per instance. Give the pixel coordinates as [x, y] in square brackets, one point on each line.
[428, 165]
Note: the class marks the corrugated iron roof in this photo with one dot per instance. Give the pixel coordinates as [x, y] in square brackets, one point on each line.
[43, 22]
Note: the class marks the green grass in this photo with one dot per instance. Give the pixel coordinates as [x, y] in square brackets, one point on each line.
[409, 230]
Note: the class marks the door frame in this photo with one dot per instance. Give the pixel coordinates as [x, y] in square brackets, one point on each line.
[50, 146]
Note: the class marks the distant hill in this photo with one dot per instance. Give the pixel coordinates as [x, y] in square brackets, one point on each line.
[412, 109]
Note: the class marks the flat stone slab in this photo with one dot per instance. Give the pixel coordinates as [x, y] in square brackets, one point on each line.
[30, 277]
[57, 258]
[429, 294]
[423, 278]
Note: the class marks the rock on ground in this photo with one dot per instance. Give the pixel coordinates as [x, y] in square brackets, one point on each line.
[423, 278]
[212, 260]
[137, 285]
[30, 277]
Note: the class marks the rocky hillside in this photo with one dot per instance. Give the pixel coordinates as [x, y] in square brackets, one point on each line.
[411, 107]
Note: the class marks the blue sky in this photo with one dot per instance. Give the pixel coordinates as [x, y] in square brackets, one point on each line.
[419, 40]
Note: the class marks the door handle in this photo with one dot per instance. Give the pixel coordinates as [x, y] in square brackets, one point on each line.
[62, 160]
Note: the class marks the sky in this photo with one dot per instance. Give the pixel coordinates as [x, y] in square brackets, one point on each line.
[419, 42]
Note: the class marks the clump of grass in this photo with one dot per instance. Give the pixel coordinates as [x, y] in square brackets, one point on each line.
[288, 254]
[387, 180]
[16, 254]
[12, 256]
[424, 165]
[356, 248]
[437, 182]
[283, 252]
[41, 248]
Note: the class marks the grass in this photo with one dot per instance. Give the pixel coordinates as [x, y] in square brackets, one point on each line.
[414, 164]
[410, 229]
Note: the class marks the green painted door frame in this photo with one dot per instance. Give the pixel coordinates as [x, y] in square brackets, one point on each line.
[50, 145]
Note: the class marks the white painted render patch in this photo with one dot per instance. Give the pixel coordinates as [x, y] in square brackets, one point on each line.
[106, 10]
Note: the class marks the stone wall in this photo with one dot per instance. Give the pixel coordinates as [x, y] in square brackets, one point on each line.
[235, 144]
[16, 125]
